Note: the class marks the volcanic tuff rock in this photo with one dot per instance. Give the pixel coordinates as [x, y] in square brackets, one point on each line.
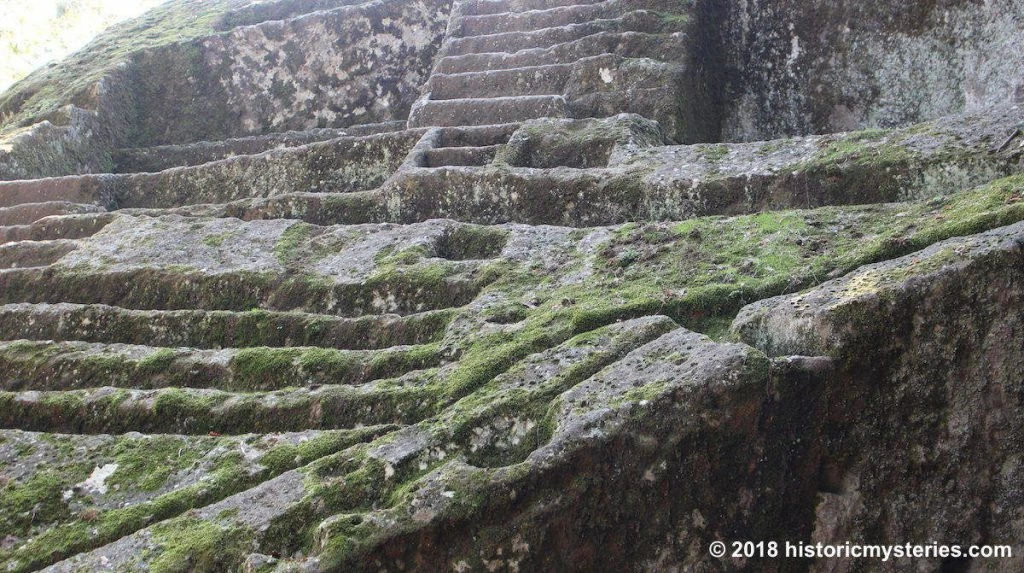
[514, 285]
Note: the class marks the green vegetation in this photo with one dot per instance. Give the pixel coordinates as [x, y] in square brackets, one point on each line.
[157, 362]
[191, 544]
[871, 147]
[697, 272]
[288, 246]
[144, 464]
[218, 239]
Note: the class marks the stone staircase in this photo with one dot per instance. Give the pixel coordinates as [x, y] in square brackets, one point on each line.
[465, 146]
[339, 349]
[507, 62]
[36, 230]
[190, 331]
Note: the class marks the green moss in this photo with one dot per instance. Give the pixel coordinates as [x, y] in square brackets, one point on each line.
[70, 401]
[146, 463]
[701, 271]
[190, 544]
[182, 405]
[229, 513]
[218, 239]
[157, 362]
[464, 242]
[406, 359]
[674, 20]
[38, 500]
[390, 258]
[645, 393]
[256, 368]
[872, 147]
[713, 153]
[287, 456]
[334, 363]
[288, 247]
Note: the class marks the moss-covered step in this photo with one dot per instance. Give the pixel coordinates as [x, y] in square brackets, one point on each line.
[218, 537]
[364, 477]
[21, 254]
[701, 271]
[161, 157]
[215, 329]
[675, 392]
[338, 165]
[226, 264]
[670, 394]
[57, 227]
[654, 183]
[27, 213]
[402, 400]
[924, 350]
[507, 418]
[839, 318]
[31, 365]
[877, 165]
[63, 494]
[414, 291]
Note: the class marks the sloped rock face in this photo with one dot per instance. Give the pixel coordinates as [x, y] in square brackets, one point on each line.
[413, 286]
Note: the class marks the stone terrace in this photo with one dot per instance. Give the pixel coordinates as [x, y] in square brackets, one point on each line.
[451, 287]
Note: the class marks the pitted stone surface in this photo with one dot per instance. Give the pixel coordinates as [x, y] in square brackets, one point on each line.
[403, 285]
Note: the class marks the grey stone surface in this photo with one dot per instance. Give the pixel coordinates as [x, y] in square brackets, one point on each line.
[402, 285]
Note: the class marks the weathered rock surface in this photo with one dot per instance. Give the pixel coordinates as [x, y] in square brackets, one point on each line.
[511, 285]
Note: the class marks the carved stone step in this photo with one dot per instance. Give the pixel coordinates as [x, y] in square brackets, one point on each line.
[48, 366]
[476, 135]
[72, 189]
[478, 111]
[452, 156]
[478, 25]
[215, 329]
[159, 158]
[626, 44]
[27, 213]
[200, 410]
[57, 227]
[23, 254]
[477, 7]
[536, 80]
[510, 42]
[176, 289]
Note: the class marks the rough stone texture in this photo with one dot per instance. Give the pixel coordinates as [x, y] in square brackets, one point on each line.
[835, 65]
[516, 326]
[304, 65]
[353, 64]
[936, 330]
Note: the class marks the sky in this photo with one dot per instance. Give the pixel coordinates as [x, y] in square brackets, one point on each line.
[34, 32]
